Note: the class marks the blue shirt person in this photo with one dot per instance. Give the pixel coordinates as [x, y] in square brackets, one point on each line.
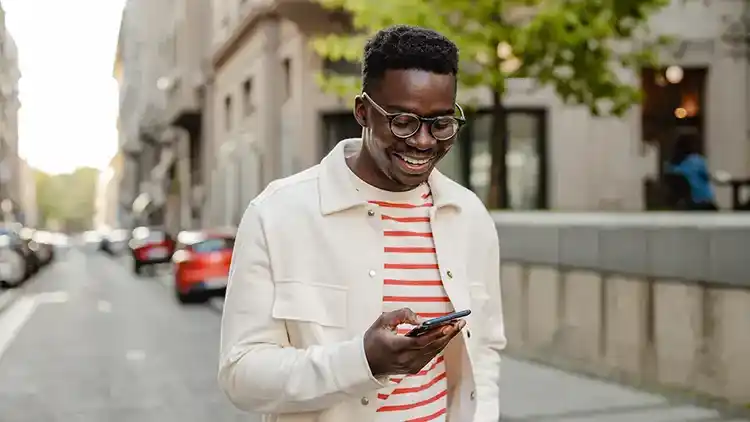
[695, 170]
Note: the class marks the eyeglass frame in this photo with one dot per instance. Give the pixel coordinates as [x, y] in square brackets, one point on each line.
[430, 120]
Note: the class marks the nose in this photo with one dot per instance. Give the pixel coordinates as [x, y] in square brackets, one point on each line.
[423, 139]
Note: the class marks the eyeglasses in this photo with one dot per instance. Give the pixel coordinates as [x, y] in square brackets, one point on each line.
[405, 125]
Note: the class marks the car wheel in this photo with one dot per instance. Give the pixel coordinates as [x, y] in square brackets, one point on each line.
[189, 297]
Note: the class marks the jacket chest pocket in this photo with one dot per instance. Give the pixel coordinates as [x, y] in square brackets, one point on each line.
[322, 304]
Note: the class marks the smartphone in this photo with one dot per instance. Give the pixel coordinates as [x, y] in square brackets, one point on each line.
[434, 323]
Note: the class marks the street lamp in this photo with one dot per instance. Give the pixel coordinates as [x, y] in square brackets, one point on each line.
[674, 74]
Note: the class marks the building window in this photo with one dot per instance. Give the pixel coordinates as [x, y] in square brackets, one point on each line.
[525, 159]
[228, 113]
[247, 97]
[287, 69]
[337, 127]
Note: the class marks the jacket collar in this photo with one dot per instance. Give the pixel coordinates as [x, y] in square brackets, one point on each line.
[337, 194]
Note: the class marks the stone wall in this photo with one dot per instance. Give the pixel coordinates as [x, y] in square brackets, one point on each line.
[655, 298]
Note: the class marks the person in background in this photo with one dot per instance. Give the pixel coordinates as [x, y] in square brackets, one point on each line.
[333, 265]
[687, 162]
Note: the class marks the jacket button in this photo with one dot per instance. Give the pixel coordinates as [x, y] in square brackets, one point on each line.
[371, 213]
[372, 273]
[473, 395]
[468, 333]
[449, 273]
[365, 401]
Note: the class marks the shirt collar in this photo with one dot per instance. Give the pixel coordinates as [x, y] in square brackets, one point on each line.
[337, 193]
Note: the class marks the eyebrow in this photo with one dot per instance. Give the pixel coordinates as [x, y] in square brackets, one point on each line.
[397, 109]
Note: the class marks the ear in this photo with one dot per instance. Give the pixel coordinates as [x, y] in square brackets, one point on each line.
[360, 111]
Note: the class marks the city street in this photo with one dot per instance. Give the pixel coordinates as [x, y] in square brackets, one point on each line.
[87, 341]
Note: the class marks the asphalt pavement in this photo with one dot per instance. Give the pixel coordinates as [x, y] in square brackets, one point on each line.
[87, 341]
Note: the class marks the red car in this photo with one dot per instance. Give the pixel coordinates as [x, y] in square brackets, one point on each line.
[201, 265]
[149, 247]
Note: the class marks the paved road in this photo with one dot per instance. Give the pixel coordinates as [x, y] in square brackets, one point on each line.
[100, 345]
[109, 347]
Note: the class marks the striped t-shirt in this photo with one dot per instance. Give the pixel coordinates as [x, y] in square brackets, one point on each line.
[411, 279]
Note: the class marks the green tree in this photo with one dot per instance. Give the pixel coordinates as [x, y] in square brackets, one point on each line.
[67, 199]
[578, 47]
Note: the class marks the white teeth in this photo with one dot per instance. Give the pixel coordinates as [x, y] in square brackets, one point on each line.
[414, 161]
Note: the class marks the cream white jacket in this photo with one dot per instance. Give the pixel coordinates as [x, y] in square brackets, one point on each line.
[305, 285]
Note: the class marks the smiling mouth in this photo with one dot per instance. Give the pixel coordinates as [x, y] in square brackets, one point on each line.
[414, 163]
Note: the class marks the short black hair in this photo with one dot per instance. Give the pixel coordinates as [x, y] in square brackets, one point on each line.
[404, 47]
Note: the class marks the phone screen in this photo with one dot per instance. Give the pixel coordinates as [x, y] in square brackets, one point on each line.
[436, 323]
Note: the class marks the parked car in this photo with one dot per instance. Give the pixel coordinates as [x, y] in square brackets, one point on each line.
[44, 243]
[114, 242]
[30, 250]
[201, 265]
[150, 246]
[14, 264]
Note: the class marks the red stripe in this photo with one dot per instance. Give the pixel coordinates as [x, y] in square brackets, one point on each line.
[426, 195]
[420, 299]
[387, 204]
[401, 407]
[407, 249]
[406, 219]
[394, 282]
[417, 389]
[411, 266]
[404, 233]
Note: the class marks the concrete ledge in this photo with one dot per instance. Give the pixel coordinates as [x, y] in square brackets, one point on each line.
[691, 337]
[691, 247]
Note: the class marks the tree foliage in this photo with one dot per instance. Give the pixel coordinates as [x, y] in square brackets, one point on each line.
[579, 47]
[67, 200]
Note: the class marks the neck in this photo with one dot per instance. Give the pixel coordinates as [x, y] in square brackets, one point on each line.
[365, 168]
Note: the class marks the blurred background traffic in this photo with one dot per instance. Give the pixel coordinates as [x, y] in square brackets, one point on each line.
[611, 141]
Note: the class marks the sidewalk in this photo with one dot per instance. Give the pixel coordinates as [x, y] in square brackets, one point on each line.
[535, 393]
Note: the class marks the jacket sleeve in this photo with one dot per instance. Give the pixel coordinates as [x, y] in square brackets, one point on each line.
[259, 370]
[492, 339]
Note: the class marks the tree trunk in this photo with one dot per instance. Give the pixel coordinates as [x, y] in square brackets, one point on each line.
[497, 197]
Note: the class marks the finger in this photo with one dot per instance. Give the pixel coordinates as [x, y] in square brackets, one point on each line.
[446, 334]
[401, 316]
[446, 331]
[404, 343]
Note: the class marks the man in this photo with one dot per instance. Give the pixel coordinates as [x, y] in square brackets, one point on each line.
[333, 265]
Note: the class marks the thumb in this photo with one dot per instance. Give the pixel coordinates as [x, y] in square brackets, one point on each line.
[401, 316]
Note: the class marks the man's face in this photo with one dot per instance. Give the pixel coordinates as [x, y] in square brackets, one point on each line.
[403, 164]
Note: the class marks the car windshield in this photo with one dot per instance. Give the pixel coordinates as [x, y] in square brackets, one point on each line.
[213, 245]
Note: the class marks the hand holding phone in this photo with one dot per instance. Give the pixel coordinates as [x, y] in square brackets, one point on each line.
[438, 322]
[389, 353]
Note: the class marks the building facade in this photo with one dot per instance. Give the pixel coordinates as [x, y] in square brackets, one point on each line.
[238, 96]
[10, 75]
[108, 212]
[162, 71]
[28, 203]
[268, 109]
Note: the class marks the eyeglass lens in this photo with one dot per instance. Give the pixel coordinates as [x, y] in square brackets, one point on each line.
[406, 125]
